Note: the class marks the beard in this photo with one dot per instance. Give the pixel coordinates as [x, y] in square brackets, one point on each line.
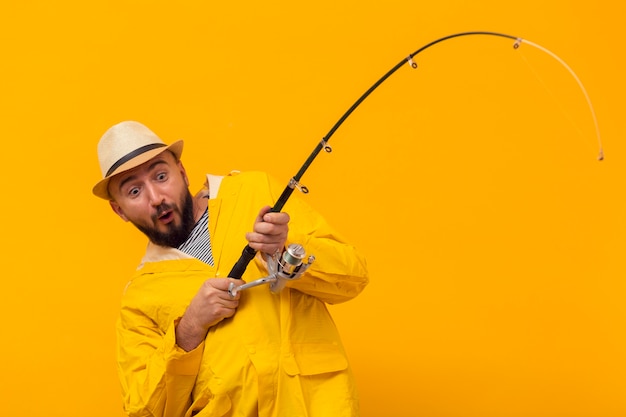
[176, 235]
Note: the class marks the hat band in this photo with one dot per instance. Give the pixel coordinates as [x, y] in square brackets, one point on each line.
[132, 155]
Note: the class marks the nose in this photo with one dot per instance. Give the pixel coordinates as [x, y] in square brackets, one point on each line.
[155, 196]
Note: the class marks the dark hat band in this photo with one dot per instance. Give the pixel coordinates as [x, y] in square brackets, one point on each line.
[133, 154]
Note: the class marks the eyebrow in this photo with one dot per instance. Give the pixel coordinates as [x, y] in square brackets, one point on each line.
[150, 168]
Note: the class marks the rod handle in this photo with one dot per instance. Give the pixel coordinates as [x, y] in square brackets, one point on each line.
[240, 266]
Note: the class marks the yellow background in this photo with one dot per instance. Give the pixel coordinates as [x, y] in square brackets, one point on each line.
[495, 239]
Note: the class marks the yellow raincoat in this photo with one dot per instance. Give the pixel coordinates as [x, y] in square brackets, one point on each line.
[279, 355]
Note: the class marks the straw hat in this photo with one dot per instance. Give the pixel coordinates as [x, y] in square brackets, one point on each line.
[127, 145]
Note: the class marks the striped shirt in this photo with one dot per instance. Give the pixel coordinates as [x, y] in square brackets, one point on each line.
[198, 244]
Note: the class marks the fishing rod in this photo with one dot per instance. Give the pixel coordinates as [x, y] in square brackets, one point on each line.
[249, 253]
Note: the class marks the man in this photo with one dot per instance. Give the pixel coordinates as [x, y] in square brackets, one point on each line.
[186, 345]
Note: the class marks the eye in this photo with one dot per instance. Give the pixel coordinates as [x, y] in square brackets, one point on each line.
[133, 191]
[161, 176]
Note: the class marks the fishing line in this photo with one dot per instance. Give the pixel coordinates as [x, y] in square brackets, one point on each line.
[582, 88]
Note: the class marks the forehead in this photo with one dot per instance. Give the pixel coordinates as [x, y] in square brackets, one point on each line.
[159, 161]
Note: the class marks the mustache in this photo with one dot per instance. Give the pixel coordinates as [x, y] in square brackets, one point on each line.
[160, 209]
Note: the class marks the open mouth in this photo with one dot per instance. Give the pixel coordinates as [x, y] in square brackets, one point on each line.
[166, 217]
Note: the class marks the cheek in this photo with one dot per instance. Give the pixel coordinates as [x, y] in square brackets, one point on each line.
[132, 212]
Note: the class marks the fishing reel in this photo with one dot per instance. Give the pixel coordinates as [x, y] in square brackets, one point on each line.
[283, 268]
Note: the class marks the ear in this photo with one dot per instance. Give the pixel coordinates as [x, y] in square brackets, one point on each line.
[118, 210]
[183, 173]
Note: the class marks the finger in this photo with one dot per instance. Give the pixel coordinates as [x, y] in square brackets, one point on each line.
[262, 213]
[222, 283]
[229, 312]
[255, 239]
[276, 218]
[270, 229]
[269, 248]
[230, 303]
[218, 289]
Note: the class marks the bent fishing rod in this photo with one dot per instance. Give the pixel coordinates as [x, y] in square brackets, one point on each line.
[249, 253]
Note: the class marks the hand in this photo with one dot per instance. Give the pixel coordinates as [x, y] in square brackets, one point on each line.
[270, 231]
[211, 304]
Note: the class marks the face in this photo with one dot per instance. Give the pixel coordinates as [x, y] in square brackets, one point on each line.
[155, 198]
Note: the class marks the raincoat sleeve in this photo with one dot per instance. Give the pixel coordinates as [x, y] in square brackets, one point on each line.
[157, 376]
[339, 272]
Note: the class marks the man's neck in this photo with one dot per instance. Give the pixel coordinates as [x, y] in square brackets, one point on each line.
[200, 202]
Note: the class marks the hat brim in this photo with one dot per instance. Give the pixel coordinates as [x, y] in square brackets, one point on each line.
[101, 189]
